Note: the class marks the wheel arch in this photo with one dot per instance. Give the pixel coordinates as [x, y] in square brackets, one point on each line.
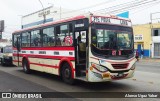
[62, 62]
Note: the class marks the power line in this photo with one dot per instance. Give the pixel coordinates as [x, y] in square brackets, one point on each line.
[126, 6]
[147, 6]
[92, 6]
[116, 6]
[133, 6]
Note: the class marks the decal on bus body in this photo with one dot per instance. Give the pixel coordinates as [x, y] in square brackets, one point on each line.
[47, 53]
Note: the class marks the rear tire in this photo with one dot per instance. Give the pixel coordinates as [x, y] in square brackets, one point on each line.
[67, 74]
[26, 68]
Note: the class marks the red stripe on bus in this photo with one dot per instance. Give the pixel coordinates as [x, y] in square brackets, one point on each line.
[45, 56]
[44, 65]
[48, 48]
[16, 61]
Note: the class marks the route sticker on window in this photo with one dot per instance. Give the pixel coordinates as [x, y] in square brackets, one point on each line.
[68, 40]
[114, 52]
[119, 52]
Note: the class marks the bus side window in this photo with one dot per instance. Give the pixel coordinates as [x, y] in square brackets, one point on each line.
[26, 39]
[14, 40]
[48, 37]
[35, 38]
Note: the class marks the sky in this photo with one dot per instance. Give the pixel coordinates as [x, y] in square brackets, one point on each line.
[13, 10]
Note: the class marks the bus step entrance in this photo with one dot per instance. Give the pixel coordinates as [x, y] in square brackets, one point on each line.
[82, 61]
[82, 78]
[81, 70]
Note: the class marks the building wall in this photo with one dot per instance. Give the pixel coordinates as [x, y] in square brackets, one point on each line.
[52, 14]
[156, 40]
[148, 40]
[145, 43]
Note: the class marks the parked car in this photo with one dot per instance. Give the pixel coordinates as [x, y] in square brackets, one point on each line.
[6, 55]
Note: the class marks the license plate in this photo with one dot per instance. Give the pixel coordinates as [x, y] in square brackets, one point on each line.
[120, 74]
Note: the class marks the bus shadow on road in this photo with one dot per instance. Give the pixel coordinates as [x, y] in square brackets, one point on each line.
[98, 86]
[8, 66]
[103, 86]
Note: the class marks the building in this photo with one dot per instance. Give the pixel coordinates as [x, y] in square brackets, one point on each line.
[147, 38]
[48, 14]
[4, 42]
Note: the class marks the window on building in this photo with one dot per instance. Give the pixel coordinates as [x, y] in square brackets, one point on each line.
[26, 39]
[64, 35]
[48, 37]
[155, 32]
[35, 38]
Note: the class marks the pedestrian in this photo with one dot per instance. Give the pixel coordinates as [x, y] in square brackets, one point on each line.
[142, 53]
[137, 55]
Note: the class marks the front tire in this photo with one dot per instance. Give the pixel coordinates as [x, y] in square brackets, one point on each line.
[26, 68]
[67, 74]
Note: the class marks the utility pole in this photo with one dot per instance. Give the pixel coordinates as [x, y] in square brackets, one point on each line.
[44, 15]
[1, 28]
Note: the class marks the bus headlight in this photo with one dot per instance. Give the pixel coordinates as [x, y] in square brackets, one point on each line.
[99, 68]
[133, 66]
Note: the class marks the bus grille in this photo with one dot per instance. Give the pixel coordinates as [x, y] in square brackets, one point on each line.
[120, 66]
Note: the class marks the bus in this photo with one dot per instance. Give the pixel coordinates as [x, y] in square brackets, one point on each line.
[92, 48]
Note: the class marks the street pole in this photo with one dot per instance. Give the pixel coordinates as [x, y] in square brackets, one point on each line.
[21, 21]
[44, 15]
[151, 36]
[0, 35]
[60, 12]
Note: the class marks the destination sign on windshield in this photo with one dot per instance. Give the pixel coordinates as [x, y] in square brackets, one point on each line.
[107, 20]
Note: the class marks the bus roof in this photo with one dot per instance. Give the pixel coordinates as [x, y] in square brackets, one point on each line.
[71, 19]
[51, 23]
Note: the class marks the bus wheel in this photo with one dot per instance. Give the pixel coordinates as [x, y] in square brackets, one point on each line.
[67, 74]
[26, 66]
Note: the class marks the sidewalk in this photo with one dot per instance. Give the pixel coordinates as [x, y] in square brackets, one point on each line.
[149, 60]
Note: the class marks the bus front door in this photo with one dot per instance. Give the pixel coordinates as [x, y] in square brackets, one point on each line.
[80, 47]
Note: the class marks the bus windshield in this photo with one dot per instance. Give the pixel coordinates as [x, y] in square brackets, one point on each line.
[112, 39]
[108, 38]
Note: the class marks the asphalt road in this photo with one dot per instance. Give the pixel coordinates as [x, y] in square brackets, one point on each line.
[146, 79]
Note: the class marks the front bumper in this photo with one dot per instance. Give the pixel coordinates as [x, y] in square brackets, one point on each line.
[7, 60]
[109, 76]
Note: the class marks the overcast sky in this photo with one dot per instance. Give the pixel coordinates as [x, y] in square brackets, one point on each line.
[12, 10]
